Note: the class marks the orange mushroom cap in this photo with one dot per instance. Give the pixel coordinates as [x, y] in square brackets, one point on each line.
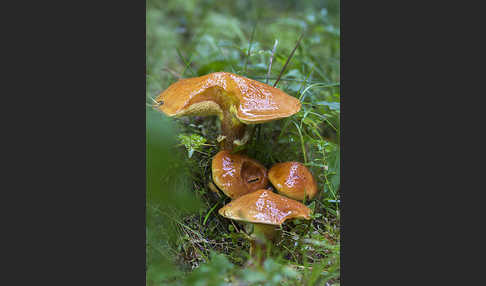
[265, 207]
[237, 174]
[250, 101]
[294, 180]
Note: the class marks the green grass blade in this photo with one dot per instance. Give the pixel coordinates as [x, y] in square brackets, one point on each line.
[209, 212]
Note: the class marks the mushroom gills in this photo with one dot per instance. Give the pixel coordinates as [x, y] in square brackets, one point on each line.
[251, 173]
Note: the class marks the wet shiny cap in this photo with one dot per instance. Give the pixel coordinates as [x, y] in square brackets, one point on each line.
[264, 206]
[294, 180]
[249, 100]
[237, 174]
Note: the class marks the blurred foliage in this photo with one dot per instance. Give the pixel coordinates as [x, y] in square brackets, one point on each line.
[188, 243]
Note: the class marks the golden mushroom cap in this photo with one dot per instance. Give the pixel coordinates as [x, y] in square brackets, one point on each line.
[251, 101]
[266, 207]
[294, 180]
[237, 174]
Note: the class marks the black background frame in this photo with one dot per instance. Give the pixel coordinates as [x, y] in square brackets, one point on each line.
[77, 145]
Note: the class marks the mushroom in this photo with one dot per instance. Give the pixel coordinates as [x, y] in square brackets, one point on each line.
[294, 180]
[236, 100]
[237, 174]
[266, 211]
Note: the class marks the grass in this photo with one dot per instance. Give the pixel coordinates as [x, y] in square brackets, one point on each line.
[188, 242]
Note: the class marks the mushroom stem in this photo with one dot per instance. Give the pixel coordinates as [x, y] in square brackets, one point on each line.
[262, 233]
[232, 129]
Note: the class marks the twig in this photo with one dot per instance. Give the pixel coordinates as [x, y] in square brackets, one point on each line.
[236, 228]
[289, 58]
[172, 72]
[284, 79]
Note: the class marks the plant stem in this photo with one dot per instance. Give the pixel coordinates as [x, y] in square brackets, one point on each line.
[232, 129]
[263, 235]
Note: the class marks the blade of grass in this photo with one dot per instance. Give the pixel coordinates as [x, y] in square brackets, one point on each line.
[319, 71]
[186, 63]
[301, 141]
[209, 212]
[304, 82]
[151, 98]
[249, 46]
[317, 84]
[324, 118]
[284, 128]
[287, 120]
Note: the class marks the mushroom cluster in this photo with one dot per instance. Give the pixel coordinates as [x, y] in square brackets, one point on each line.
[238, 101]
[244, 180]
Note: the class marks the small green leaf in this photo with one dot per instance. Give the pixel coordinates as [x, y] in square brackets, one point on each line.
[192, 142]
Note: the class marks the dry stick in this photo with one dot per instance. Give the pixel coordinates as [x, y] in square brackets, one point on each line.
[172, 72]
[271, 60]
[284, 79]
[236, 228]
[289, 58]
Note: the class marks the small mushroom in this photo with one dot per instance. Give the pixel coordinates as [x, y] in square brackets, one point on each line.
[236, 100]
[237, 174]
[294, 180]
[266, 211]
